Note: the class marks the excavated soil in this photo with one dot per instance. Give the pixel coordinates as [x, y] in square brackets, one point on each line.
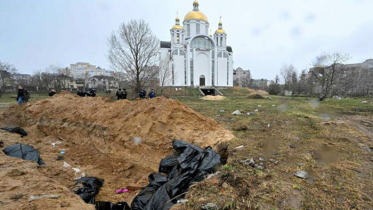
[213, 98]
[120, 142]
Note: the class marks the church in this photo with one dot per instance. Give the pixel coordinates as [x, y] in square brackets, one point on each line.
[195, 58]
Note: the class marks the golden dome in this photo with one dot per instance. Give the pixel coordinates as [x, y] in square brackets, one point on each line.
[220, 31]
[195, 15]
[177, 27]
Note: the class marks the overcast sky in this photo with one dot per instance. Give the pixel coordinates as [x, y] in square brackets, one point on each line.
[264, 34]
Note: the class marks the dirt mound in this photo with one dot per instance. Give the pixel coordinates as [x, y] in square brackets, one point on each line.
[120, 142]
[255, 96]
[246, 91]
[213, 98]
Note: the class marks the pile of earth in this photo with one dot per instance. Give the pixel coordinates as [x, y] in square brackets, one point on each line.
[118, 141]
[213, 98]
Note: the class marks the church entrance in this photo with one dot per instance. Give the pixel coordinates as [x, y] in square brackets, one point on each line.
[202, 80]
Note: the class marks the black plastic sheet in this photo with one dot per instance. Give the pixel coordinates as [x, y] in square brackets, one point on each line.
[193, 164]
[25, 152]
[18, 130]
[101, 205]
[89, 189]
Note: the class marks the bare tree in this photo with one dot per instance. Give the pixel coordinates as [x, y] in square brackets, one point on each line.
[287, 72]
[6, 71]
[165, 73]
[326, 68]
[133, 50]
[277, 79]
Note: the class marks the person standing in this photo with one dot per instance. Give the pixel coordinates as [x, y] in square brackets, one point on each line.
[151, 94]
[119, 94]
[52, 92]
[20, 95]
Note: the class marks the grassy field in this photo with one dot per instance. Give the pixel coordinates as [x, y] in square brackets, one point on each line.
[331, 140]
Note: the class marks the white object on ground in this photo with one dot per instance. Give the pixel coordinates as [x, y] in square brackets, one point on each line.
[239, 147]
[43, 196]
[66, 165]
[237, 112]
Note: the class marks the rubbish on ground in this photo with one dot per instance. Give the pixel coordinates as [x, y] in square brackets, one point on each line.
[256, 110]
[237, 112]
[66, 165]
[253, 164]
[167, 164]
[222, 111]
[250, 113]
[269, 125]
[62, 152]
[210, 206]
[136, 140]
[273, 105]
[364, 102]
[182, 201]
[1, 143]
[25, 152]
[77, 170]
[261, 159]
[43, 196]
[301, 174]
[56, 143]
[259, 105]
[62, 139]
[18, 130]
[119, 191]
[193, 165]
[60, 157]
[292, 146]
[239, 147]
[89, 189]
[101, 205]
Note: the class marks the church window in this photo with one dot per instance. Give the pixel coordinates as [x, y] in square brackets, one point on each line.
[221, 41]
[175, 52]
[202, 42]
[173, 74]
[198, 29]
[178, 38]
[207, 29]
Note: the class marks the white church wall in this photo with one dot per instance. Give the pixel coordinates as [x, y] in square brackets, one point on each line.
[202, 67]
[231, 70]
[179, 70]
[222, 72]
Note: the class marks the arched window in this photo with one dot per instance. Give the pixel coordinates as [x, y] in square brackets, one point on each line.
[202, 42]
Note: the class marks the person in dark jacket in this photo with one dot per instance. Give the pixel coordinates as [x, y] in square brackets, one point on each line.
[151, 94]
[52, 92]
[20, 95]
[119, 94]
[142, 94]
[81, 93]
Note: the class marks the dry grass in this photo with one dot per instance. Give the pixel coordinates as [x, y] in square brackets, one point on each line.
[294, 134]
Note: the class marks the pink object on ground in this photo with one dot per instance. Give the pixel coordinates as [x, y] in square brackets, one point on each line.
[121, 191]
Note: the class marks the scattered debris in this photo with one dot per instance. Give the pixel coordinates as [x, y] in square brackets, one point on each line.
[119, 191]
[253, 164]
[240, 128]
[1, 143]
[101, 205]
[18, 130]
[292, 146]
[183, 201]
[251, 113]
[256, 110]
[222, 111]
[210, 206]
[43, 196]
[89, 189]
[301, 174]
[237, 112]
[25, 152]
[273, 105]
[66, 165]
[60, 158]
[364, 102]
[62, 152]
[56, 143]
[239, 147]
